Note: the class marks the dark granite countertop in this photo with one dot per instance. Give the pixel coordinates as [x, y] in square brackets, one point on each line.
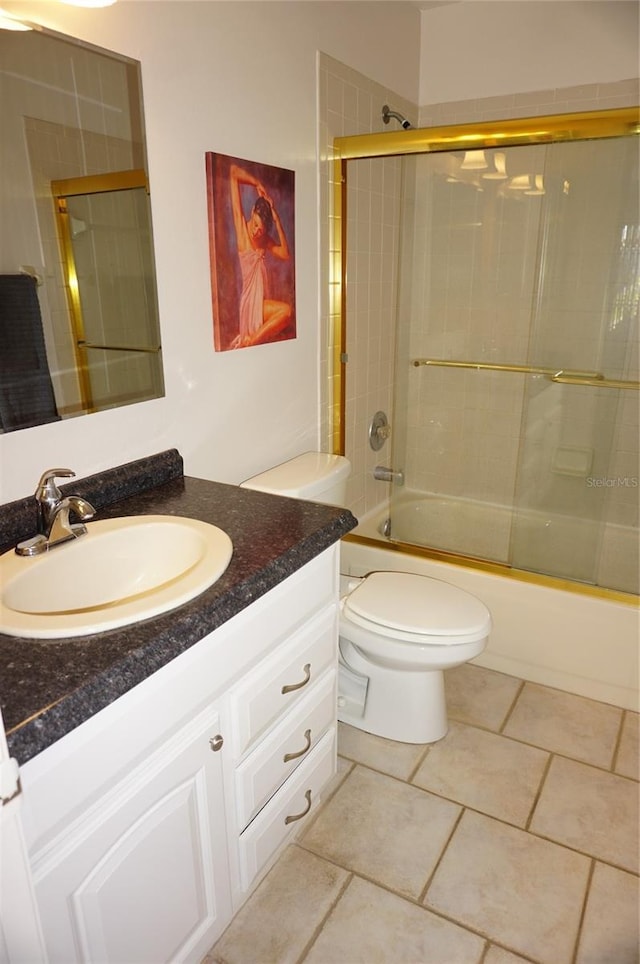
[48, 687]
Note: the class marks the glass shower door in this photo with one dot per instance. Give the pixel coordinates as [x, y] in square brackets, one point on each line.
[468, 259]
[576, 497]
[516, 418]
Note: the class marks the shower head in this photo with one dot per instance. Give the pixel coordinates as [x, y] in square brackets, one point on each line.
[387, 114]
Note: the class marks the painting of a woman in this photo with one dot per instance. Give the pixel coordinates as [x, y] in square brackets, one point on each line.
[251, 252]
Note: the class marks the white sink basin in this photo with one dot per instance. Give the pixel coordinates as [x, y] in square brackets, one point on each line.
[122, 571]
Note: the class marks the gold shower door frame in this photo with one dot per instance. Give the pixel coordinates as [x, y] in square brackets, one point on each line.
[555, 128]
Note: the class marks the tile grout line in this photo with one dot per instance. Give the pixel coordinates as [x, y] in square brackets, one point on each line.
[583, 910]
[320, 926]
[423, 757]
[511, 708]
[618, 743]
[423, 893]
[536, 799]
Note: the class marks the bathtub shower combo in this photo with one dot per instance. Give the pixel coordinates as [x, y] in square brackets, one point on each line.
[512, 253]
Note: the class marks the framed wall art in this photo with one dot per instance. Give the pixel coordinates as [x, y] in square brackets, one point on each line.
[251, 243]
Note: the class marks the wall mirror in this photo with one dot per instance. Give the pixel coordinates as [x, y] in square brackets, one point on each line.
[79, 329]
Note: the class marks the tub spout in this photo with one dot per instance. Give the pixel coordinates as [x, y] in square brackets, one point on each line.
[383, 474]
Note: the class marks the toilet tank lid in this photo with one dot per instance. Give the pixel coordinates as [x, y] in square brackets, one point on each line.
[304, 476]
[418, 604]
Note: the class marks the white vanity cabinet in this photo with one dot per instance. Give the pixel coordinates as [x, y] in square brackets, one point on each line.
[148, 825]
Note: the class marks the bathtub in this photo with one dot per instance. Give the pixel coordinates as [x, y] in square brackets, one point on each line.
[583, 644]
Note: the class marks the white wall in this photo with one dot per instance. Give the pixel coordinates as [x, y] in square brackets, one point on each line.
[488, 48]
[238, 78]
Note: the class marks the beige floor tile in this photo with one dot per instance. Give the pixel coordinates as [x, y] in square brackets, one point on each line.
[498, 955]
[384, 829]
[344, 767]
[396, 759]
[484, 771]
[371, 926]
[628, 759]
[523, 892]
[593, 811]
[479, 696]
[573, 725]
[280, 918]
[610, 929]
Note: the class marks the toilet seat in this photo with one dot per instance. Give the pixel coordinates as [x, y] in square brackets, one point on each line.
[416, 609]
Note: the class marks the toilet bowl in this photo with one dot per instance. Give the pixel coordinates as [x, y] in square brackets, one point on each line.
[398, 631]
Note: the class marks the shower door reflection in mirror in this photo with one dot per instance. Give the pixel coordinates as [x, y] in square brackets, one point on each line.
[73, 113]
[108, 258]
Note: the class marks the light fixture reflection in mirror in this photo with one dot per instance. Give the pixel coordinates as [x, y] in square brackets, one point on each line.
[79, 327]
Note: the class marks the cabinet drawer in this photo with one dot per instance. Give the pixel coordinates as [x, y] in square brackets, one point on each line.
[285, 748]
[287, 810]
[281, 680]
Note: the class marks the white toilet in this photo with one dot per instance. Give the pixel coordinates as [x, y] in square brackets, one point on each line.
[398, 630]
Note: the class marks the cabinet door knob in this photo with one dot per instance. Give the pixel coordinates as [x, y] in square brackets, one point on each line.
[297, 686]
[299, 816]
[216, 743]
[305, 749]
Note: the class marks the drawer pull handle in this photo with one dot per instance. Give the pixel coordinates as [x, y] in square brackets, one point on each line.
[216, 743]
[294, 756]
[299, 816]
[298, 686]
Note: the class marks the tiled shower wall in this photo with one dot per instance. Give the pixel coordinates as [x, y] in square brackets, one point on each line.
[371, 258]
[350, 103]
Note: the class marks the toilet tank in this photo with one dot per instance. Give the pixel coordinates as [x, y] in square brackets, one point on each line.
[314, 476]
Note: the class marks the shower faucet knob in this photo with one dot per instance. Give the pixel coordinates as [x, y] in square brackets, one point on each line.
[379, 431]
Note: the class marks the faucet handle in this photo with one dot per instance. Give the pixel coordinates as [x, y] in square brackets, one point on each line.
[47, 488]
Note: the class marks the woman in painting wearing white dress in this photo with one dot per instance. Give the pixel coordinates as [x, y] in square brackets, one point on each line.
[261, 318]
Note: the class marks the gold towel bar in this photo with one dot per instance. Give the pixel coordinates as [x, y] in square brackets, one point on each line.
[571, 378]
[561, 375]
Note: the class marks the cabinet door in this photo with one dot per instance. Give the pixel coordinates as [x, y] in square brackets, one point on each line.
[143, 875]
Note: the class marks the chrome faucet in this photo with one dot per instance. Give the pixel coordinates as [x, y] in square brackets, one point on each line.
[54, 525]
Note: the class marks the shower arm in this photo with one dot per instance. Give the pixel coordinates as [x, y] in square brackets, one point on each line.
[388, 113]
[563, 376]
